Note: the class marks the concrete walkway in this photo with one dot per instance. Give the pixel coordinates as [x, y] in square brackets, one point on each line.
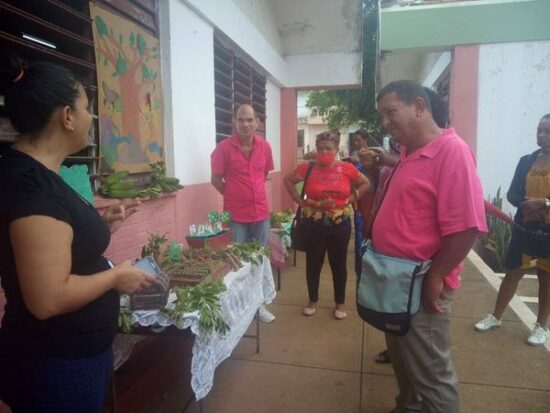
[318, 364]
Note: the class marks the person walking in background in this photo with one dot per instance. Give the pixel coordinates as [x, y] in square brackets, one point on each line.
[240, 165]
[363, 207]
[331, 188]
[62, 295]
[432, 210]
[530, 194]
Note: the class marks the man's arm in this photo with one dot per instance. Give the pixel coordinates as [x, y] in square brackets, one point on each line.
[454, 249]
[218, 182]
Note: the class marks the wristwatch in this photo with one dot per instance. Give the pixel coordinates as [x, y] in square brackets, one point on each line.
[547, 203]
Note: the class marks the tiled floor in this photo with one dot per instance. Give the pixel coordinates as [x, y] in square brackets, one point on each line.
[318, 364]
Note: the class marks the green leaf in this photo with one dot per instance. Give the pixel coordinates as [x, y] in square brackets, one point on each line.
[121, 65]
[132, 39]
[174, 252]
[100, 26]
[120, 38]
[145, 72]
[141, 44]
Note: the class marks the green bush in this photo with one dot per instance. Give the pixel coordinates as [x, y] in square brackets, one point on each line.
[498, 237]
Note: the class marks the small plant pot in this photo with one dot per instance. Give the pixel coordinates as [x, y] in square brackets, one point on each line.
[217, 241]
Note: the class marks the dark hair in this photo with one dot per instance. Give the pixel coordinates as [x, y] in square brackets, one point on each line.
[406, 90]
[363, 133]
[547, 116]
[35, 91]
[328, 136]
[439, 109]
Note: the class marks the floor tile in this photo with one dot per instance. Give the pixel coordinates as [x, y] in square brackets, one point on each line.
[255, 387]
[317, 341]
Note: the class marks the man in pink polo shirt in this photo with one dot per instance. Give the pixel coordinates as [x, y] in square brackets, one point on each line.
[433, 208]
[240, 165]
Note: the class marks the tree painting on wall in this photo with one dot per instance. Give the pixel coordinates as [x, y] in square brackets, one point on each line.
[130, 105]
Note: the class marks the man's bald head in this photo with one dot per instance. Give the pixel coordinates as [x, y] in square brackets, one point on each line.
[245, 108]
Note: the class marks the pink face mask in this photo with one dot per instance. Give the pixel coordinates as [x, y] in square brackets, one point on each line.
[326, 158]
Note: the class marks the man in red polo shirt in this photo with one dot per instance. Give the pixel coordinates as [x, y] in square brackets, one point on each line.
[240, 165]
[433, 209]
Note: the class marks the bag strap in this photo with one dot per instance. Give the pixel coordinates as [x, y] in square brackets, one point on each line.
[309, 168]
[386, 185]
[299, 210]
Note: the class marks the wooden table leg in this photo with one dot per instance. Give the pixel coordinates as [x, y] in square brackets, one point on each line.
[257, 333]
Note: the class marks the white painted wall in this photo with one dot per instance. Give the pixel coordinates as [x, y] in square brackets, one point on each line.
[304, 70]
[261, 14]
[325, 69]
[226, 16]
[191, 64]
[273, 123]
[435, 65]
[514, 93]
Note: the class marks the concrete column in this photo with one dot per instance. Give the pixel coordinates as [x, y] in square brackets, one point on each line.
[463, 95]
[289, 139]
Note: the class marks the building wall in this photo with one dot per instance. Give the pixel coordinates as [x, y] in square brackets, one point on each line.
[191, 67]
[514, 94]
[273, 123]
[260, 13]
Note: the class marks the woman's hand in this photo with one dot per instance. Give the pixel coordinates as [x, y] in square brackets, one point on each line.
[129, 279]
[115, 215]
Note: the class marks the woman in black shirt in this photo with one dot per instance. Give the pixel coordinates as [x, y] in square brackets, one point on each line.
[62, 294]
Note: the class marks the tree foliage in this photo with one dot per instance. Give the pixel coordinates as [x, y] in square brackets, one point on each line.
[356, 105]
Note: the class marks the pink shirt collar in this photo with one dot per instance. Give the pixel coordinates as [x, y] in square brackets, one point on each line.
[431, 149]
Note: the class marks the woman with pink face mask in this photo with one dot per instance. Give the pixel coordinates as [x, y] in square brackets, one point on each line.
[331, 188]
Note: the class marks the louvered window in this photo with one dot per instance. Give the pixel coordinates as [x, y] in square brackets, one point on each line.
[62, 33]
[236, 82]
[59, 32]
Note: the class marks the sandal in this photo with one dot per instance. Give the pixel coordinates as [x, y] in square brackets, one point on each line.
[309, 311]
[339, 314]
[383, 357]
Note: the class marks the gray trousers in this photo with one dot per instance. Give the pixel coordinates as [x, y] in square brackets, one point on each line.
[422, 364]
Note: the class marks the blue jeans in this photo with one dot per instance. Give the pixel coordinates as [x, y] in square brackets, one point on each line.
[250, 231]
[34, 385]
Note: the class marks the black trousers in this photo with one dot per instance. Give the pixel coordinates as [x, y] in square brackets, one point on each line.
[334, 240]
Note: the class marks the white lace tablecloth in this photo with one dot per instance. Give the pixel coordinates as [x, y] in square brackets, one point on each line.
[247, 289]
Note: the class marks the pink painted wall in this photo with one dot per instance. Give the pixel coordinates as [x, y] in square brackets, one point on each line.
[172, 215]
[289, 139]
[463, 95]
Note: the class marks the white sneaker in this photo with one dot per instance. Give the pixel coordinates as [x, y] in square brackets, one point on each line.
[538, 336]
[265, 315]
[488, 323]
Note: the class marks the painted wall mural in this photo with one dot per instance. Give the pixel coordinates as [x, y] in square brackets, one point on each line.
[129, 92]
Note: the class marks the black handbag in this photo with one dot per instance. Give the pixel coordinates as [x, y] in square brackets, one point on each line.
[536, 239]
[297, 230]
